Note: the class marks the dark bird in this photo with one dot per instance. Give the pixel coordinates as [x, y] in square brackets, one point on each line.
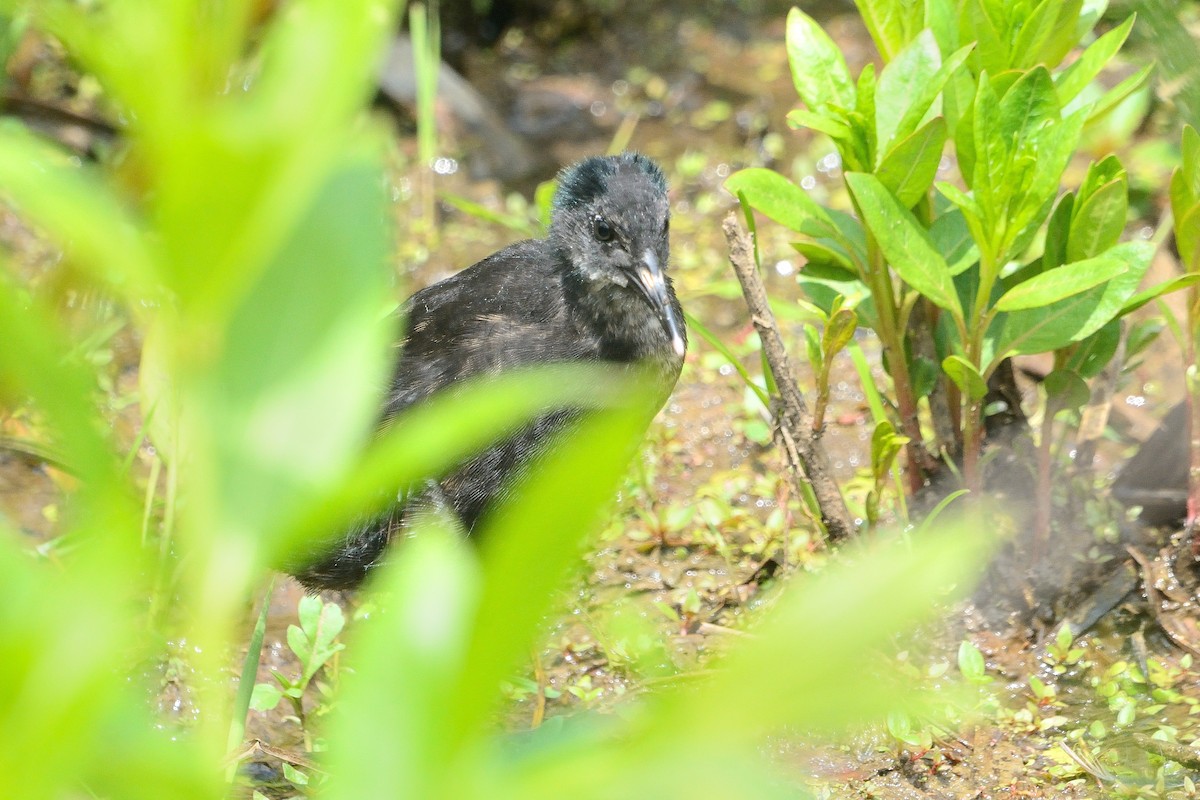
[594, 290]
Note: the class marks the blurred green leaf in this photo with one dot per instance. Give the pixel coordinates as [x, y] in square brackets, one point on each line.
[290, 395]
[971, 663]
[72, 204]
[520, 225]
[389, 735]
[429, 438]
[889, 581]
[265, 697]
[812, 343]
[460, 628]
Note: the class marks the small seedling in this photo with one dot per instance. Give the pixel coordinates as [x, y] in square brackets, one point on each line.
[314, 642]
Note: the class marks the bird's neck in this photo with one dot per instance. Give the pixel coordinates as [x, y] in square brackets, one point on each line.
[622, 325]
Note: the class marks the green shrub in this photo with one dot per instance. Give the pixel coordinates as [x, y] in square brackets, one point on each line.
[991, 259]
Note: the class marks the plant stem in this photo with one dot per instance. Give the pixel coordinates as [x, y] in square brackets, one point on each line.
[917, 458]
[972, 422]
[804, 452]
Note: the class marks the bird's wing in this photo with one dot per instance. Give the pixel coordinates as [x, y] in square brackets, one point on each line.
[506, 311]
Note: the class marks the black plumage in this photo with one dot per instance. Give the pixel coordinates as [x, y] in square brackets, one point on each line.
[594, 290]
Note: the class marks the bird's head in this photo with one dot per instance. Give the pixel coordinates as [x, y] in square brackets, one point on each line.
[610, 221]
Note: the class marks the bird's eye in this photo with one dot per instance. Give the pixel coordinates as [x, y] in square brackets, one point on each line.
[602, 230]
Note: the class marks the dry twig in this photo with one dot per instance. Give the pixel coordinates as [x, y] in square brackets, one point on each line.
[805, 455]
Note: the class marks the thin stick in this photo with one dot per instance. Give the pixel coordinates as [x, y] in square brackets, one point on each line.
[794, 419]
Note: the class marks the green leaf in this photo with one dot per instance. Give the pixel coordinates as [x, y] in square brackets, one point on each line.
[1090, 356]
[1036, 30]
[905, 244]
[320, 631]
[1099, 215]
[1106, 170]
[887, 23]
[1040, 330]
[819, 71]
[1070, 29]
[965, 376]
[265, 697]
[1065, 390]
[73, 206]
[926, 95]
[1117, 95]
[901, 86]
[838, 332]
[1166, 287]
[812, 345]
[924, 374]
[826, 252]
[1071, 81]
[822, 283]
[1061, 282]
[734, 700]
[1026, 114]
[783, 201]
[1054, 148]
[886, 444]
[953, 240]
[832, 126]
[863, 142]
[909, 168]
[971, 663]
[1190, 149]
[518, 224]
[930, 520]
[940, 18]
[1058, 232]
[977, 22]
[1187, 237]
[965, 202]
[301, 353]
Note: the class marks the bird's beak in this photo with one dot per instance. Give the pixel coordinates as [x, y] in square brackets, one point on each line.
[649, 278]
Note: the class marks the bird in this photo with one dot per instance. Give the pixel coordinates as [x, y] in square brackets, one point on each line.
[595, 289]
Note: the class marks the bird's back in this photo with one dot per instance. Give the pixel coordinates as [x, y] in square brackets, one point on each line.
[506, 311]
